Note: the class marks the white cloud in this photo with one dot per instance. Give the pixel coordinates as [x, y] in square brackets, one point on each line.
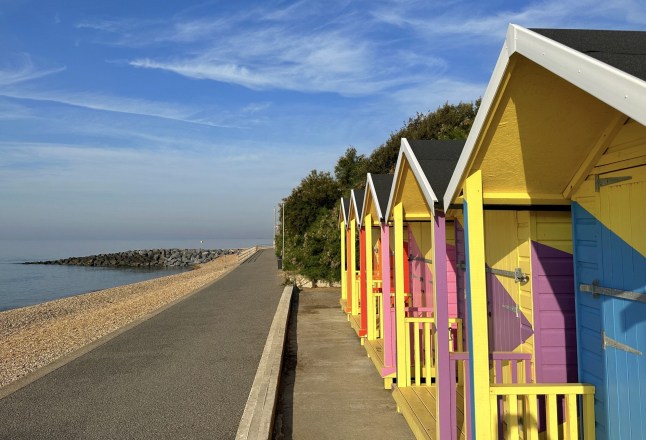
[22, 69]
[461, 22]
[112, 103]
[276, 58]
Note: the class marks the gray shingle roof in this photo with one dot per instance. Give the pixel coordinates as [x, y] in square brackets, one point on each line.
[358, 198]
[382, 184]
[437, 160]
[624, 50]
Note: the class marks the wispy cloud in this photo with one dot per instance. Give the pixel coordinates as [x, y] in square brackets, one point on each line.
[300, 47]
[275, 58]
[22, 69]
[462, 21]
[118, 104]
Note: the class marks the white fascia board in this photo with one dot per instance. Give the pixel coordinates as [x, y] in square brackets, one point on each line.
[613, 86]
[455, 184]
[394, 185]
[431, 199]
[370, 186]
[365, 197]
[345, 219]
[356, 209]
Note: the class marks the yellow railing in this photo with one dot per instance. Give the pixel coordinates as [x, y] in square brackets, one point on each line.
[375, 326]
[419, 338]
[522, 408]
[356, 294]
[511, 367]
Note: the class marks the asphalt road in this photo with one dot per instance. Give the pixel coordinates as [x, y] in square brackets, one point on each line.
[185, 373]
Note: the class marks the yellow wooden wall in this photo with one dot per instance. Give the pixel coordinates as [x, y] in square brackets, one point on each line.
[627, 149]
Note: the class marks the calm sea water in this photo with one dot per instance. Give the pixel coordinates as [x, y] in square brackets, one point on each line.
[23, 285]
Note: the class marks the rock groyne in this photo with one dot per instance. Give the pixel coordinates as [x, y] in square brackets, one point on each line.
[152, 258]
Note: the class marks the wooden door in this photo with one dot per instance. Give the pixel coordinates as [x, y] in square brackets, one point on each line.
[503, 294]
[610, 247]
[623, 215]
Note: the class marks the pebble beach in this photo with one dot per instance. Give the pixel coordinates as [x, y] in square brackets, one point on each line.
[35, 336]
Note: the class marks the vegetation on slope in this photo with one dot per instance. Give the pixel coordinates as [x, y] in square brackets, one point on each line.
[311, 221]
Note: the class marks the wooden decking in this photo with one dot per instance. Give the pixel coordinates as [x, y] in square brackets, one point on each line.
[375, 350]
[418, 406]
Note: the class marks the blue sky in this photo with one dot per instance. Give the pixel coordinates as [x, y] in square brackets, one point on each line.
[149, 119]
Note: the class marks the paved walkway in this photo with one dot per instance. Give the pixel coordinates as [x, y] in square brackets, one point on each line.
[330, 389]
[185, 373]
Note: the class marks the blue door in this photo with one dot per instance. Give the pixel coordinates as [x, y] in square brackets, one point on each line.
[610, 249]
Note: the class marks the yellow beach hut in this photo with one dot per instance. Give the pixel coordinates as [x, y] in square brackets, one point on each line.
[552, 183]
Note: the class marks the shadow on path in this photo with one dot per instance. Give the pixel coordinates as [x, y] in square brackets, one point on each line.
[284, 418]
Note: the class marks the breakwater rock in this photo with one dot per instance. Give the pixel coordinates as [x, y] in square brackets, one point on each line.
[152, 258]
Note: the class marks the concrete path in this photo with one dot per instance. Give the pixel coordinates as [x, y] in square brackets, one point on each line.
[185, 373]
[330, 389]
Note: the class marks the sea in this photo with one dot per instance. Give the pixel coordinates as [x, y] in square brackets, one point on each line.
[23, 285]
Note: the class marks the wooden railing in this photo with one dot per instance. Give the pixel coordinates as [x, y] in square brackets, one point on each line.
[522, 415]
[516, 406]
[508, 365]
[419, 339]
[243, 255]
[356, 294]
[375, 324]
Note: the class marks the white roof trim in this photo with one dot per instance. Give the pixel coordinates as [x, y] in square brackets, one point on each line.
[353, 203]
[615, 87]
[370, 186]
[392, 188]
[345, 219]
[405, 150]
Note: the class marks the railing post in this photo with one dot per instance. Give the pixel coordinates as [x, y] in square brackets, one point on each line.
[344, 269]
[477, 306]
[353, 293]
[403, 343]
[370, 307]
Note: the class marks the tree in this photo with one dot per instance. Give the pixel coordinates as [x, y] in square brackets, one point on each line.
[311, 210]
[315, 196]
[447, 122]
[350, 169]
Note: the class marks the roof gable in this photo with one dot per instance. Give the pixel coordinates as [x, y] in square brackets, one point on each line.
[427, 166]
[615, 96]
[377, 192]
[356, 205]
[343, 211]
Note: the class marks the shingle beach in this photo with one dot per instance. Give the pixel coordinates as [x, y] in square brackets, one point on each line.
[35, 336]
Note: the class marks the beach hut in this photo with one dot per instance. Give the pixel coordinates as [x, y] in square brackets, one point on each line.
[356, 282]
[427, 326]
[552, 183]
[343, 229]
[379, 310]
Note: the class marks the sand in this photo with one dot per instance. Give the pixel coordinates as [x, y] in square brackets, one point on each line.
[35, 336]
